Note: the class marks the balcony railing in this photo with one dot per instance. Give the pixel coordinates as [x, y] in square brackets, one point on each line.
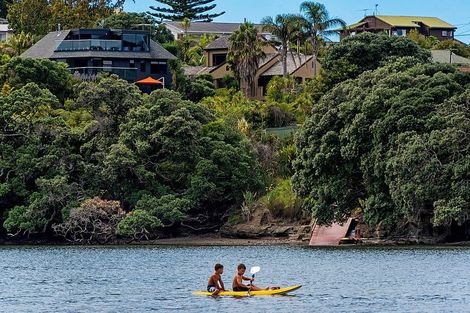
[97, 45]
[91, 73]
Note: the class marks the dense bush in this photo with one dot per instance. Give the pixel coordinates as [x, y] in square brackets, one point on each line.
[158, 154]
[393, 142]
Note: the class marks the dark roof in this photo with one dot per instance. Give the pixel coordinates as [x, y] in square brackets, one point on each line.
[219, 43]
[44, 49]
[209, 27]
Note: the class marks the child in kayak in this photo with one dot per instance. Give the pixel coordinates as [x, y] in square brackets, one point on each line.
[215, 283]
[238, 285]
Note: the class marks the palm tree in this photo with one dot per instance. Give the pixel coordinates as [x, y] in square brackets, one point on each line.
[318, 24]
[285, 27]
[245, 52]
[20, 42]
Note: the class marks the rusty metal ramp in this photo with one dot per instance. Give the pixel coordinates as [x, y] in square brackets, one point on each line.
[329, 235]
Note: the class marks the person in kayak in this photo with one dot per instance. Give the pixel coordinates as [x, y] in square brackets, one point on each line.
[238, 285]
[215, 283]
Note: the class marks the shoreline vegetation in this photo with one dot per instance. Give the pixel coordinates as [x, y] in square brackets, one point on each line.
[380, 134]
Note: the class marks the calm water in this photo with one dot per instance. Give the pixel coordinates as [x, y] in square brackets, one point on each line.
[161, 279]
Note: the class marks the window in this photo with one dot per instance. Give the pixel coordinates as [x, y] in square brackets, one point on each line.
[131, 63]
[158, 67]
[107, 63]
[400, 32]
[143, 67]
[445, 33]
[218, 59]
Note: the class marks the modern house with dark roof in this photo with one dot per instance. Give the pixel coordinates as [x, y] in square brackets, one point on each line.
[301, 67]
[130, 54]
[400, 26]
[198, 29]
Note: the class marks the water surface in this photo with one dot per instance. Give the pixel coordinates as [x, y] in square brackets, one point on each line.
[161, 279]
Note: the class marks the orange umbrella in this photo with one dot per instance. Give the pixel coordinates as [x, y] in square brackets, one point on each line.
[149, 81]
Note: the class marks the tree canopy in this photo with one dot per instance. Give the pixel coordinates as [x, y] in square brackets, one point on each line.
[178, 10]
[161, 156]
[392, 142]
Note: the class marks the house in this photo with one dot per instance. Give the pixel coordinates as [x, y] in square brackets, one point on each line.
[131, 54]
[301, 67]
[5, 31]
[198, 29]
[400, 26]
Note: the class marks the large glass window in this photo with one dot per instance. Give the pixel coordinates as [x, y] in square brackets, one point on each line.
[135, 42]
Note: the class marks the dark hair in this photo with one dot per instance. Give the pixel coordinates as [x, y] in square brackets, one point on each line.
[241, 266]
[217, 266]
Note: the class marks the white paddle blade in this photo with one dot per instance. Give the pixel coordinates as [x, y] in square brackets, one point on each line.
[255, 269]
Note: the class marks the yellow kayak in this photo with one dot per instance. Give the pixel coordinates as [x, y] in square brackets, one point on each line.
[280, 291]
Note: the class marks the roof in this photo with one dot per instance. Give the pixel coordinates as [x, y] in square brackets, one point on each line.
[443, 56]
[208, 27]
[44, 49]
[219, 43]
[411, 21]
[405, 21]
[293, 64]
[198, 70]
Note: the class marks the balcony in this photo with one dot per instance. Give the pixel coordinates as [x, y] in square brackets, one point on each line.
[91, 73]
[100, 45]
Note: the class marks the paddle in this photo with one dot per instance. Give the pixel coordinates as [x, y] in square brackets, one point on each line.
[253, 271]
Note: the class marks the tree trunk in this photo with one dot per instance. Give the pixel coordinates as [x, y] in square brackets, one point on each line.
[284, 60]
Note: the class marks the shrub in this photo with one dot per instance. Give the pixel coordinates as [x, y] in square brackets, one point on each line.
[94, 221]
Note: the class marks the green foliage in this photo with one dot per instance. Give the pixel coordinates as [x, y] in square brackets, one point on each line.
[194, 10]
[167, 209]
[246, 50]
[158, 153]
[282, 201]
[392, 142]
[364, 52]
[454, 45]
[199, 88]
[139, 225]
[163, 35]
[16, 44]
[47, 74]
[425, 42]
[126, 20]
[281, 89]
[30, 17]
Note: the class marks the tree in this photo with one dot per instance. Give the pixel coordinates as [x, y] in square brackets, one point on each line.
[4, 7]
[319, 24]
[94, 221]
[245, 52]
[127, 20]
[19, 43]
[30, 17]
[364, 52]
[177, 10]
[426, 42]
[391, 142]
[38, 162]
[51, 75]
[285, 28]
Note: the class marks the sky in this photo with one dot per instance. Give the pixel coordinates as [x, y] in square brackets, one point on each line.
[455, 12]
